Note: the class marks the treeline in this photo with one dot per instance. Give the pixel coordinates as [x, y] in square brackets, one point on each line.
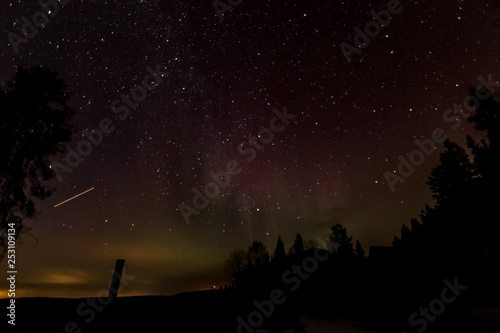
[462, 229]
[257, 254]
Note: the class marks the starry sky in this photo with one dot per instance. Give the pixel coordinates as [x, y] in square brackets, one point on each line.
[221, 79]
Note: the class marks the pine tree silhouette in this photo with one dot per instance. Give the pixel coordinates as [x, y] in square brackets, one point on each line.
[279, 252]
[298, 245]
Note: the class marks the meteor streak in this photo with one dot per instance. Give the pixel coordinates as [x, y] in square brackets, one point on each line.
[90, 189]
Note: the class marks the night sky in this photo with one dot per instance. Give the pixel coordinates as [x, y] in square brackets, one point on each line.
[221, 82]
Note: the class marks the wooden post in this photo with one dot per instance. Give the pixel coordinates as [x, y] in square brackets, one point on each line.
[116, 280]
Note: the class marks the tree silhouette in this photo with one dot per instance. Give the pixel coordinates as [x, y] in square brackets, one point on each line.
[452, 179]
[340, 241]
[486, 154]
[34, 124]
[409, 236]
[298, 245]
[257, 254]
[235, 264]
[279, 252]
[486, 118]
